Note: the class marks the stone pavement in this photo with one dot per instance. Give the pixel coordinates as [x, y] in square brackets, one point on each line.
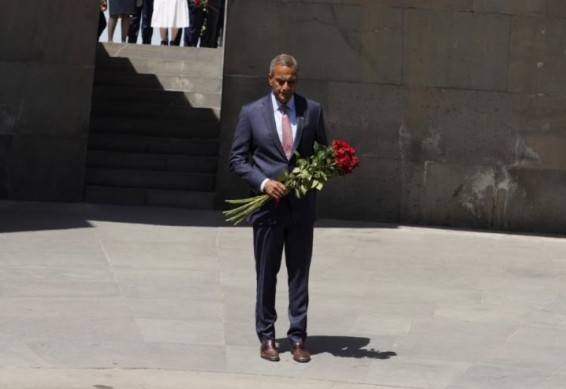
[108, 297]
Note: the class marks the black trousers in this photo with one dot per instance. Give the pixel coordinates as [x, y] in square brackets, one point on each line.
[271, 238]
[142, 19]
[197, 18]
[101, 23]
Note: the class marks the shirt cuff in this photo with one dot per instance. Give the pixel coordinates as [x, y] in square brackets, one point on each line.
[262, 186]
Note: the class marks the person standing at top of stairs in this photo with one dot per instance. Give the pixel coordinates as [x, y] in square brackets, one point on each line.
[120, 9]
[172, 14]
[142, 20]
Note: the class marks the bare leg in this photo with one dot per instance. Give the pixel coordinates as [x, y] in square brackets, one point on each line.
[174, 33]
[112, 21]
[125, 27]
[163, 32]
[175, 36]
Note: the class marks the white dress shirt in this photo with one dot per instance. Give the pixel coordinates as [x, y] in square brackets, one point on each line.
[278, 114]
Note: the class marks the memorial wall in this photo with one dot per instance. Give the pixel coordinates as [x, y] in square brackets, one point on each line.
[457, 107]
[47, 53]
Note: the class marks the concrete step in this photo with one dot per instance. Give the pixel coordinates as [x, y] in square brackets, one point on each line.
[159, 81]
[154, 126]
[152, 197]
[155, 111]
[104, 93]
[162, 66]
[195, 54]
[156, 145]
[149, 179]
[157, 162]
[194, 129]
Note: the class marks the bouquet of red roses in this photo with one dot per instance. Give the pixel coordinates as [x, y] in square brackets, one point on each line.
[309, 173]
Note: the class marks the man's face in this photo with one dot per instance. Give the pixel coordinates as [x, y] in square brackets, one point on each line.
[283, 82]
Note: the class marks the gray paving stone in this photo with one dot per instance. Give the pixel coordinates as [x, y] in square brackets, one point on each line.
[182, 331]
[546, 358]
[188, 357]
[506, 377]
[554, 381]
[416, 373]
[189, 255]
[241, 332]
[452, 340]
[15, 353]
[100, 353]
[175, 309]
[238, 304]
[483, 312]
[139, 297]
[169, 283]
[59, 289]
[163, 379]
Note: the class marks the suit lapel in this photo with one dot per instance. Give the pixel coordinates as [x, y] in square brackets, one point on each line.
[269, 118]
[300, 109]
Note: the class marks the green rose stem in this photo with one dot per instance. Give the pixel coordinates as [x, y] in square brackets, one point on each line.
[250, 205]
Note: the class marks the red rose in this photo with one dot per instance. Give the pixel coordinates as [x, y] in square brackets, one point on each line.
[345, 156]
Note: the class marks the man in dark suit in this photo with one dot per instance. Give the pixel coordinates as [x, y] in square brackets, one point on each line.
[269, 131]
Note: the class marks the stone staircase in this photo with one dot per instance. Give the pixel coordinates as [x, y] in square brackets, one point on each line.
[154, 126]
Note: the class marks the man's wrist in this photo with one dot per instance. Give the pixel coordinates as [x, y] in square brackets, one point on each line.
[262, 186]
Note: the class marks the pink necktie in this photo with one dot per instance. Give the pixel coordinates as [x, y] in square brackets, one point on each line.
[287, 133]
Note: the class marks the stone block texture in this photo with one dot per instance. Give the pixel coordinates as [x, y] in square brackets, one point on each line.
[456, 107]
[537, 56]
[46, 62]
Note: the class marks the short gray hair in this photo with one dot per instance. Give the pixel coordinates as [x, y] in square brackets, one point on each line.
[284, 60]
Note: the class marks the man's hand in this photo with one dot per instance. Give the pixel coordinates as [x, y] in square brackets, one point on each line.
[275, 189]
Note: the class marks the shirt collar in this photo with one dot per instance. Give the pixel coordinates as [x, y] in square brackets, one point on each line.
[277, 104]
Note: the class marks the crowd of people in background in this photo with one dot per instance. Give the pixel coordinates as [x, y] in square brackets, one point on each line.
[190, 22]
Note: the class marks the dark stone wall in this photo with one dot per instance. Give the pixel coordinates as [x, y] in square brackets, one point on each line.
[47, 53]
[457, 107]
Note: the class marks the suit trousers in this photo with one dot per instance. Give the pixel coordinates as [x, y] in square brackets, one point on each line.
[271, 237]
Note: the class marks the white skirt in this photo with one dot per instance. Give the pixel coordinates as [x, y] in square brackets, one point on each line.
[170, 13]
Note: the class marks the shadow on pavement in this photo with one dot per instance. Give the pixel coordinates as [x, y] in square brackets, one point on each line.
[19, 216]
[339, 346]
[23, 216]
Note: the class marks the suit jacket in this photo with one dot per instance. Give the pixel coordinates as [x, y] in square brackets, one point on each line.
[257, 152]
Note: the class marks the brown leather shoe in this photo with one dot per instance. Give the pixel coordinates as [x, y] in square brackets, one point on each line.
[300, 353]
[268, 350]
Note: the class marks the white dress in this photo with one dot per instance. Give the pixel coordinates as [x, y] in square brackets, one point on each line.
[170, 13]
